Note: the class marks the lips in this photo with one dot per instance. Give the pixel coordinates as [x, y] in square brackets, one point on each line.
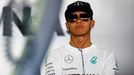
[79, 27]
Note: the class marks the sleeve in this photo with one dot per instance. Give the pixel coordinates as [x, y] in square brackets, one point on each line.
[110, 64]
[51, 65]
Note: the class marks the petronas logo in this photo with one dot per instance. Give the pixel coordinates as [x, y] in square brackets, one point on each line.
[93, 60]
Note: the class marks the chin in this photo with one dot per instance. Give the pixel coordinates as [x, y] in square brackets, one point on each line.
[80, 34]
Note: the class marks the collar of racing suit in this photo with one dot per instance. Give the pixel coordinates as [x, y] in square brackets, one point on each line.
[84, 50]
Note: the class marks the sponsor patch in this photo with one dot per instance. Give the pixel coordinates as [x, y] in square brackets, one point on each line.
[93, 60]
[68, 59]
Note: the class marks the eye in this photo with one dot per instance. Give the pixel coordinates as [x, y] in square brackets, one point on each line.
[84, 17]
[72, 18]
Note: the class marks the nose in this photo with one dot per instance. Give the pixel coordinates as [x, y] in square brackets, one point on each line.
[78, 20]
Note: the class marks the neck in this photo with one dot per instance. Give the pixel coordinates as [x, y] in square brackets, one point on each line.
[80, 41]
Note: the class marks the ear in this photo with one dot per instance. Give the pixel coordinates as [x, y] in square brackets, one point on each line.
[92, 23]
[67, 26]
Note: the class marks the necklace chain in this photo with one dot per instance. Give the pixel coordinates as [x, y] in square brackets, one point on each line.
[77, 45]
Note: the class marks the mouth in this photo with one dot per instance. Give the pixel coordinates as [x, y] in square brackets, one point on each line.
[79, 27]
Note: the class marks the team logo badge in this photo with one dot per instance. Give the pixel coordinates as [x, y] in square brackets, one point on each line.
[68, 59]
[93, 60]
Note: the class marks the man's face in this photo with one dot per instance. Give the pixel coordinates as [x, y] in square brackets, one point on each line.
[79, 24]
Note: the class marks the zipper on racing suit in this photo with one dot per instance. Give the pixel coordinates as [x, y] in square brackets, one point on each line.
[82, 61]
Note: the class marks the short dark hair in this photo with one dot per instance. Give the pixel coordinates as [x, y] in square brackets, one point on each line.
[79, 6]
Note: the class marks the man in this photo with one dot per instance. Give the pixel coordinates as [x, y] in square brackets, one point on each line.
[80, 56]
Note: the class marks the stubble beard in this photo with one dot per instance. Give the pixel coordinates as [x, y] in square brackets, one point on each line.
[80, 34]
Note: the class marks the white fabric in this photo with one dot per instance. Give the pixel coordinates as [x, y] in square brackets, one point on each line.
[67, 60]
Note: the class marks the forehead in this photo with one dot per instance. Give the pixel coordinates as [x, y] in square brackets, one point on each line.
[79, 12]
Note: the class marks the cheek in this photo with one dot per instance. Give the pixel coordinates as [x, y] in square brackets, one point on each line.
[88, 26]
[72, 26]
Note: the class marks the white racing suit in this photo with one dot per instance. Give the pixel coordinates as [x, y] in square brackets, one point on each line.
[68, 60]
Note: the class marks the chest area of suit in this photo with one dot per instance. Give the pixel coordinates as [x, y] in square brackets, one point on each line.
[74, 63]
